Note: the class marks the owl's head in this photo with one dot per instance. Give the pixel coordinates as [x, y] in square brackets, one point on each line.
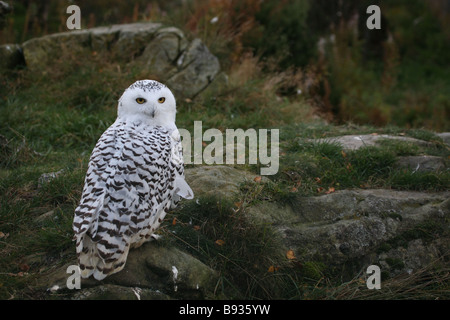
[148, 101]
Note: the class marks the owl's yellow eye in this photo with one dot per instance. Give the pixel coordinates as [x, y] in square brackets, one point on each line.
[140, 100]
[161, 100]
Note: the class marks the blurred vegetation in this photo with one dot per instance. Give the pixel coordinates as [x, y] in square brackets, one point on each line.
[397, 75]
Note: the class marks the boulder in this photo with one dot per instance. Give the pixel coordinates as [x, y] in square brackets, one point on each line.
[151, 272]
[168, 270]
[354, 226]
[353, 142]
[164, 53]
[445, 136]
[10, 57]
[115, 292]
[421, 163]
[196, 68]
[217, 180]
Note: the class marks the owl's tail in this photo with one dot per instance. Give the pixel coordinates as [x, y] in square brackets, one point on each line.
[94, 262]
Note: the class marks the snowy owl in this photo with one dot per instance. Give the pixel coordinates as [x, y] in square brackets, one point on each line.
[135, 175]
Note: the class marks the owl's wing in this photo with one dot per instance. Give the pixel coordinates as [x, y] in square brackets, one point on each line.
[93, 194]
[181, 188]
[95, 203]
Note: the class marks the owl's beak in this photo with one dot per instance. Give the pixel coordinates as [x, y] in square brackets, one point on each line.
[152, 113]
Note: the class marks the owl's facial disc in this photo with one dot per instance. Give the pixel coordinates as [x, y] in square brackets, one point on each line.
[148, 99]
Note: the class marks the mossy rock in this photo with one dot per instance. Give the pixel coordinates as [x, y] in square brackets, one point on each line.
[162, 53]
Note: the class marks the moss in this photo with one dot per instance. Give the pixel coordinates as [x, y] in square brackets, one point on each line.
[426, 231]
[313, 270]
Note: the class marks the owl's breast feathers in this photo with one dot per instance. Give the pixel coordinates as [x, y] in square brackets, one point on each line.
[134, 177]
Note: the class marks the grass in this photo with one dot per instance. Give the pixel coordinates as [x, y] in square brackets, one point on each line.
[309, 168]
[245, 253]
[428, 283]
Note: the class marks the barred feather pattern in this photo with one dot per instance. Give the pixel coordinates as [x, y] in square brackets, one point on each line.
[130, 185]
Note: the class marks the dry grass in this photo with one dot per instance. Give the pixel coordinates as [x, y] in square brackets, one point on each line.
[429, 283]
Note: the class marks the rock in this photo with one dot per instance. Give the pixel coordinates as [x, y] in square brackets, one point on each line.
[157, 272]
[197, 68]
[218, 180]
[352, 225]
[44, 216]
[114, 292]
[10, 56]
[354, 142]
[160, 55]
[421, 163]
[125, 40]
[47, 177]
[409, 258]
[5, 9]
[445, 136]
[39, 53]
[163, 53]
[152, 266]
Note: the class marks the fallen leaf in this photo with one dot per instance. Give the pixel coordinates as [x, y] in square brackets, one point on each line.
[3, 235]
[257, 179]
[330, 190]
[273, 269]
[320, 189]
[188, 100]
[374, 134]
[293, 189]
[220, 242]
[196, 228]
[344, 155]
[174, 221]
[204, 144]
[318, 180]
[290, 255]
[238, 204]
